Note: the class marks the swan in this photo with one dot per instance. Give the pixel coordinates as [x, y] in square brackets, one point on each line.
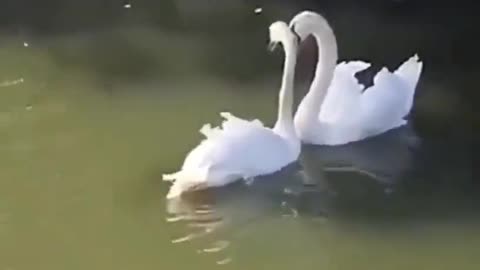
[242, 148]
[337, 109]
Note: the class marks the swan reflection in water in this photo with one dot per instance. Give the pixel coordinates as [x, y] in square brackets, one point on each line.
[215, 217]
[385, 158]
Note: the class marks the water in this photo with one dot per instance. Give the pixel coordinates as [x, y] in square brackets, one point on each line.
[91, 118]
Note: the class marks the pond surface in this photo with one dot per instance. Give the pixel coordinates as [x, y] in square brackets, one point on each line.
[89, 122]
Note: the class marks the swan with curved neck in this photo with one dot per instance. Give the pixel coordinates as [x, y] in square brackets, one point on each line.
[304, 24]
[242, 148]
[280, 33]
[337, 109]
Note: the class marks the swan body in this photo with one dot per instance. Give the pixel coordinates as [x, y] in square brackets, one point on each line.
[337, 109]
[243, 148]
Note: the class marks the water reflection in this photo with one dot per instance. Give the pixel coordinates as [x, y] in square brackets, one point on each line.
[216, 217]
[385, 158]
[202, 220]
[10, 82]
[309, 190]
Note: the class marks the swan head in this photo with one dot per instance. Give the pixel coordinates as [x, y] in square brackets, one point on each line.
[303, 23]
[279, 32]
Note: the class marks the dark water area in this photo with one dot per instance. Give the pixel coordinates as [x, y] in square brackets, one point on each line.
[99, 98]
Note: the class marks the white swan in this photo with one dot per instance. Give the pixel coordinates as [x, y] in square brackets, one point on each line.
[337, 109]
[242, 148]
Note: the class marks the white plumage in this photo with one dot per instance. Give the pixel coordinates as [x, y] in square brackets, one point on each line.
[242, 148]
[337, 109]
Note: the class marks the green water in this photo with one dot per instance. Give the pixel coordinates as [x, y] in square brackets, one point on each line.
[89, 123]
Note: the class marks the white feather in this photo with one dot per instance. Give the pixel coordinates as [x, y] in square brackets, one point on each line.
[337, 110]
[243, 148]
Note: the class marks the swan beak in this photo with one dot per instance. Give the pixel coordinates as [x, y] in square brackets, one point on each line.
[272, 45]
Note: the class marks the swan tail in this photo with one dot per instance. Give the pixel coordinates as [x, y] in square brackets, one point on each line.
[171, 177]
[183, 181]
[409, 72]
[184, 175]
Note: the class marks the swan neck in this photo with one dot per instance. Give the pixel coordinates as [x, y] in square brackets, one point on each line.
[284, 122]
[325, 68]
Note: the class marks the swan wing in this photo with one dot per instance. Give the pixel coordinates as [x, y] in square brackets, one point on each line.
[390, 99]
[244, 145]
[239, 149]
[344, 92]
[349, 69]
